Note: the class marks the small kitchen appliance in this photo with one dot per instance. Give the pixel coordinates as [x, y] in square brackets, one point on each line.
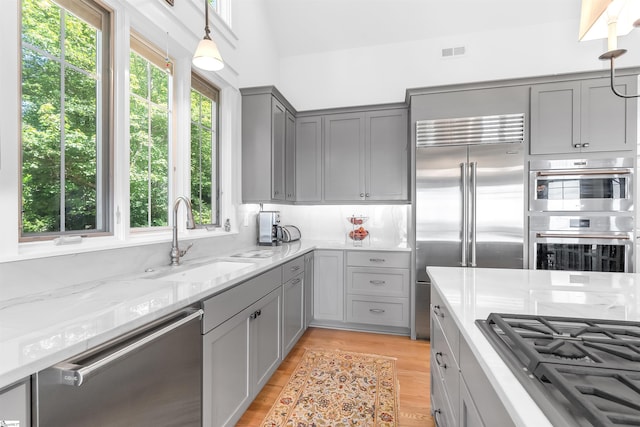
[290, 233]
[580, 372]
[269, 230]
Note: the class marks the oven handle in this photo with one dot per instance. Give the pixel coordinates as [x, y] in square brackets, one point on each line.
[75, 375]
[585, 172]
[584, 236]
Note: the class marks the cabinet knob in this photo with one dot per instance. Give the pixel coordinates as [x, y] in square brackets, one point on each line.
[366, 195]
[361, 194]
[585, 145]
[577, 145]
[436, 310]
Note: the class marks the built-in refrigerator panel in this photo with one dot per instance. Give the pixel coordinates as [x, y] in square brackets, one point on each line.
[438, 207]
[497, 188]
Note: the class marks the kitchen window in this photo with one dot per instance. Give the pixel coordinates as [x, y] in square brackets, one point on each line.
[222, 8]
[150, 135]
[204, 151]
[64, 118]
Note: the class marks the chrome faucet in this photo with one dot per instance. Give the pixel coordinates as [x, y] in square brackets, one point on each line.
[176, 252]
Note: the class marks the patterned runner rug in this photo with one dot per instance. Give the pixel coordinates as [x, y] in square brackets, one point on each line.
[338, 389]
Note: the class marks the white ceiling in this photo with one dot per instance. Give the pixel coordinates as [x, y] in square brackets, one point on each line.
[311, 26]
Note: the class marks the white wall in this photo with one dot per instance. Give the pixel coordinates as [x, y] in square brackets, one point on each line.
[381, 74]
[258, 62]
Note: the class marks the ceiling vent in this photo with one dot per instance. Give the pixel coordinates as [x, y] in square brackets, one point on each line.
[450, 52]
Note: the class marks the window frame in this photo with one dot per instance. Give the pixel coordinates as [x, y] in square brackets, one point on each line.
[95, 14]
[207, 89]
[149, 52]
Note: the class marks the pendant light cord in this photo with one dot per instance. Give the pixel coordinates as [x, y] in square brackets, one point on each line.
[206, 20]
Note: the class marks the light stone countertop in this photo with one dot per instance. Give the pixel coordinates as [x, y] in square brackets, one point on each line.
[38, 330]
[474, 293]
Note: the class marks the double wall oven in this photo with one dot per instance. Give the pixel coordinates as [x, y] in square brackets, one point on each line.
[581, 215]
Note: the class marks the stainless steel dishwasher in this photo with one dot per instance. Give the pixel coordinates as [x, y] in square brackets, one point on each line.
[149, 377]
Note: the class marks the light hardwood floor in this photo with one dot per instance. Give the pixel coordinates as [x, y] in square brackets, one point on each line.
[412, 364]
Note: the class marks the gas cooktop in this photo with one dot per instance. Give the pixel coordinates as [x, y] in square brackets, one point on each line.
[581, 372]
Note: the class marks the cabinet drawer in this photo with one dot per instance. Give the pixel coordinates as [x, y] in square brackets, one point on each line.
[292, 268]
[440, 312]
[440, 405]
[444, 365]
[378, 259]
[225, 305]
[378, 281]
[385, 311]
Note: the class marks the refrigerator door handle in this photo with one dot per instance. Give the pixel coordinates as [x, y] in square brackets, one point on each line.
[465, 213]
[473, 166]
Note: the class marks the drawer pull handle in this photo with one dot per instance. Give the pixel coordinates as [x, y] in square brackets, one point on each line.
[295, 282]
[377, 282]
[439, 360]
[436, 415]
[377, 260]
[376, 310]
[296, 268]
[436, 311]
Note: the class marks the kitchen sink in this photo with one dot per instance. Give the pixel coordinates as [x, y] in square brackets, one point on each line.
[207, 272]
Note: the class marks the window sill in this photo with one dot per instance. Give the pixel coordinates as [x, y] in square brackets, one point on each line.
[34, 250]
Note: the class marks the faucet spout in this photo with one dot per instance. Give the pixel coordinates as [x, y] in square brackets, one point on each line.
[176, 252]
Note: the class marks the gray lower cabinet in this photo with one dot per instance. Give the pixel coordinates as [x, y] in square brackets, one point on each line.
[366, 155]
[582, 116]
[461, 394]
[328, 286]
[293, 303]
[377, 291]
[15, 405]
[309, 159]
[308, 288]
[240, 351]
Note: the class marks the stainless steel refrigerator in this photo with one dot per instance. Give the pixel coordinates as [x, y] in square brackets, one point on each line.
[469, 203]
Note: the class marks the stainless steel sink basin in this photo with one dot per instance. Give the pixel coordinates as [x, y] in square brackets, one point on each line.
[207, 272]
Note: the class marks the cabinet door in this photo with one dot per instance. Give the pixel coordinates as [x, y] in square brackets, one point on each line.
[328, 285]
[15, 405]
[555, 118]
[344, 157]
[278, 132]
[290, 158]
[386, 151]
[292, 312]
[226, 388]
[256, 148]
[469, 416]
[308, 289]
[606, 118]
[309, 159]
[266, 339]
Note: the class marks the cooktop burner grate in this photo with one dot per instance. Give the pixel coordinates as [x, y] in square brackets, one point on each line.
[581, 372]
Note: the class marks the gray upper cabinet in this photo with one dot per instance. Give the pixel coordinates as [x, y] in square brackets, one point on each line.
[278, 129]
[365, 156]
[386, 151]
[309, 159]
[582, 116]
[268, 146]
[344, 145]
[290, 157]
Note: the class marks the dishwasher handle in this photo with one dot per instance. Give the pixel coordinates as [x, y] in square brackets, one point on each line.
[69, 373]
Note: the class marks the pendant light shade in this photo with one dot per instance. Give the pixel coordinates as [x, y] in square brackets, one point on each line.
[207, 56]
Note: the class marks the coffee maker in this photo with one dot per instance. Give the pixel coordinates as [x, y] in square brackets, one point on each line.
[269, 231]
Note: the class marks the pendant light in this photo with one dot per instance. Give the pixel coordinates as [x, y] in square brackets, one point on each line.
[608, 19]
[207, 56]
